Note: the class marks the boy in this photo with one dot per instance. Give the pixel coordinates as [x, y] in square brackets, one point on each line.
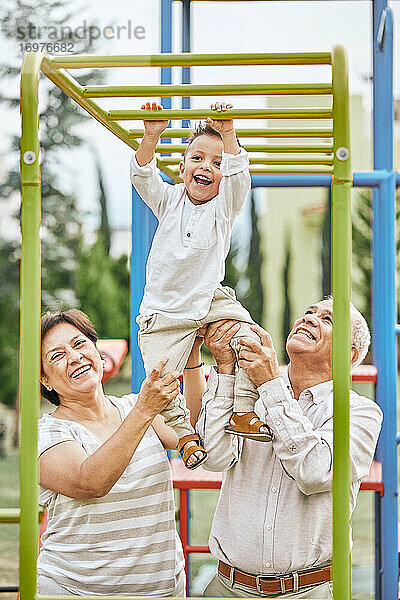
[187, 261]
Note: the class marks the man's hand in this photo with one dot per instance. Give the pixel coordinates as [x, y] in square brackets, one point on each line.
[259, 360]
[153, 129]
[217, 339]
[156, 391]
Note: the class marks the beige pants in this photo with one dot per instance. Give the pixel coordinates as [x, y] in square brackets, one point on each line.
[161, 336]
[217, 588]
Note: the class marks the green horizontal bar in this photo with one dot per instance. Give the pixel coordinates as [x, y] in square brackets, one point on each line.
[322, 148]
[250, 89]
[264, 170]
[317, 160]
[236, 113]
[278, 170]
[12, 515]
[73, 89]
[90, 61]
[185, 132]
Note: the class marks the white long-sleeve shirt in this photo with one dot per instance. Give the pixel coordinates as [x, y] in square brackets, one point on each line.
[186, 262]
[274, 513]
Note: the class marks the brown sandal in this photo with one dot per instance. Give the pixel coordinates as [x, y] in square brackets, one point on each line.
[248, 426]
[186, 453]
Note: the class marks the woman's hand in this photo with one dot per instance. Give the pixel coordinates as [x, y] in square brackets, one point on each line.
[217, 340]
[153, 129]
[156, 391]
[259, 360]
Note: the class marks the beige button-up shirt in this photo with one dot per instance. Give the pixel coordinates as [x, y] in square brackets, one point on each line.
[274, 513]
[186, 262]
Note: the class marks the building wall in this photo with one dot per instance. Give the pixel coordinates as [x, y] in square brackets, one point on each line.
[296, 214]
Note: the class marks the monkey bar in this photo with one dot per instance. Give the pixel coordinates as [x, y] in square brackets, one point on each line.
[331, 157]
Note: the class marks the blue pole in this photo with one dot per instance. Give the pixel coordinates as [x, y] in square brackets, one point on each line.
[144, 222]
[360, 179]
[144, 225]
[384, 297]
[166, 46]
[186, 47]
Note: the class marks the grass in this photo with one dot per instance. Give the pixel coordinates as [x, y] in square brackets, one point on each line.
[9, 498]
[203, 504]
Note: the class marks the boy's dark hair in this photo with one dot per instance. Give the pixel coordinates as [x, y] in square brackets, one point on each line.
[49, 320]
[203, 128]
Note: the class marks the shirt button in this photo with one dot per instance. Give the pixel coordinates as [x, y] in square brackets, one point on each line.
[268, 565]
[277, 422]
[293, 447]
[269, 527]
[274, 489]
[188, 234]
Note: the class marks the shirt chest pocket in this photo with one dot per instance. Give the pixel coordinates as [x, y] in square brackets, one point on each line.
[204, 238]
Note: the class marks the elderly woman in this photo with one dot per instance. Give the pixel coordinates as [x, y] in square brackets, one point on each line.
[104, 474]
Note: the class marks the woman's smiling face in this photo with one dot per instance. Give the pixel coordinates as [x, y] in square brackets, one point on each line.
[71, 363]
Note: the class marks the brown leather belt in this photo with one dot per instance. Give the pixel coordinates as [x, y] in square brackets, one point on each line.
[276, 584]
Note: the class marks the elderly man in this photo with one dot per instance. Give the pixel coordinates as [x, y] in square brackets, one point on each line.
[272, 527]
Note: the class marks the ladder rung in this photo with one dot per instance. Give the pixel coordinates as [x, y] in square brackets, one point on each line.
[322, 160]
[322, 148]
[236, 113]
[155, 91]
[280, 170]
[184, 59]
[300, 132]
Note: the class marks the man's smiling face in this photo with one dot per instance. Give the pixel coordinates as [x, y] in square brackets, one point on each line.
[312, 333]
[200, 169]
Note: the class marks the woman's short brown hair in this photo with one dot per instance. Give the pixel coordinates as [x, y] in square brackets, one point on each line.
[74, 317]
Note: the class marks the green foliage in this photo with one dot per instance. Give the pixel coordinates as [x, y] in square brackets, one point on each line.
[9, 321]
[326, 248]
[253, 298]
[103, 290]
[362, 256]
[232, 272]
[287, 310]
[61, 221]
[362, 250]
[104, 224]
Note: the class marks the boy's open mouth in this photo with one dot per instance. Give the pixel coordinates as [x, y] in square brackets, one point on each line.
[202, 180]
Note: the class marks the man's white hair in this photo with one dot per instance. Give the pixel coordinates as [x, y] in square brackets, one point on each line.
[360, 335]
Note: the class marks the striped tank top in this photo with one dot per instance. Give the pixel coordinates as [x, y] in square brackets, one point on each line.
[124, 543]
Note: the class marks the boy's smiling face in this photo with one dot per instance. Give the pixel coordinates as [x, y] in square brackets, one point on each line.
[200, 168]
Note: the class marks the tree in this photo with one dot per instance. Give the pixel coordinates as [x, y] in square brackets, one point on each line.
[326, 247]
[253, 298]
[287, 309]
[103, 281]
[362, 250]
[103, 291]
[61, 221]
[232, 272]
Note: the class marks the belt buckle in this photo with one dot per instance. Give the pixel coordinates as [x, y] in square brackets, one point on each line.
[258, 584]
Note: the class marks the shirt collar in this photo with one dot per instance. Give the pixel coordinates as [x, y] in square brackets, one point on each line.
[317, 393]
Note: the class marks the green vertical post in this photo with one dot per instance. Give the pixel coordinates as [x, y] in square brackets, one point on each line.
[341, 353]
[29, 324]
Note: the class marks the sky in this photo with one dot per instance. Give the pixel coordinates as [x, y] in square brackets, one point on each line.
[258, 26]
